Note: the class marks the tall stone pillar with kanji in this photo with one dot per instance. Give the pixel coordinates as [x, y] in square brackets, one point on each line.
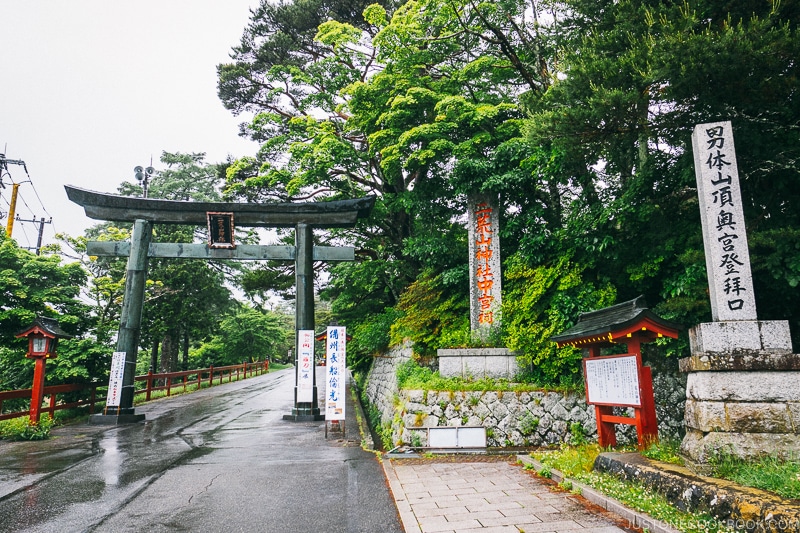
[484, 264]
[741, 393]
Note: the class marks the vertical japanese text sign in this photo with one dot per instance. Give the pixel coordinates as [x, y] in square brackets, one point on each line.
[220, 230]
[336, 343]
[730, 282]
[484, 261]
[115, 379]
[305, 366]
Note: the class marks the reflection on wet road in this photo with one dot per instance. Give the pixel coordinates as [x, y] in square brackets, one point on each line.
[217, 460]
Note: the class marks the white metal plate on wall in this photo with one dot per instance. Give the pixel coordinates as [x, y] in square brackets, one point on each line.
[457, 437]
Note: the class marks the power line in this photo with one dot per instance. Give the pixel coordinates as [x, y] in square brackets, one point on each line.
[4, 171]
[41, 223]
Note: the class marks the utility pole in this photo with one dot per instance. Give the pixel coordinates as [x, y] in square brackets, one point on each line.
[41, 222]
[14, 190]
[12, 208]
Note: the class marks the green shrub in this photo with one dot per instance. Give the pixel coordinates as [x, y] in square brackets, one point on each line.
[22, 428]
[431, 311]
[577, 437]
[569, 460]
[370, 337]
[543, 301]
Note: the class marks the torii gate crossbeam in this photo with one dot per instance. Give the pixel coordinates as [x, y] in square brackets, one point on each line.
[144, 212]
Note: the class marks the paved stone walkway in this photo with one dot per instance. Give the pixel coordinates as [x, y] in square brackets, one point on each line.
[484, 497]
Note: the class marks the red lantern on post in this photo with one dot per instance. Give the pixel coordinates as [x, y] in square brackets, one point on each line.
[43, 337]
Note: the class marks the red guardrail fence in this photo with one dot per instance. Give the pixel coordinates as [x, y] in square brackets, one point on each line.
[166, 381]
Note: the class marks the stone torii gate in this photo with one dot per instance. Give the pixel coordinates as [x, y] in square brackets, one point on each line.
[220, 217]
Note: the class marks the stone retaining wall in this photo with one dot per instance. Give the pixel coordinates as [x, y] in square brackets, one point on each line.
[536, 418]
[381, 387]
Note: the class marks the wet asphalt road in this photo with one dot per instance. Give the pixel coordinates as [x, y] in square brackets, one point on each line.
[222, 459]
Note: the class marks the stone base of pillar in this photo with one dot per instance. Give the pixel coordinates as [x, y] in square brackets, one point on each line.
[478, 363]
[742, 397]
[297, 416]
[700, 447]
[303, 412]
[113, 420]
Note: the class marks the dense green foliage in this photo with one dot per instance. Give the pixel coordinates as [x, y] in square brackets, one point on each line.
[246, 335]
[577, 113]
[42, 285]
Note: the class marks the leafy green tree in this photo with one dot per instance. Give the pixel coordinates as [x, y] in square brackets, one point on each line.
[105, 284]
[634, 79]
[310, 147]
[440, 97]
[580, 121]
[40, 285]
[246, 335]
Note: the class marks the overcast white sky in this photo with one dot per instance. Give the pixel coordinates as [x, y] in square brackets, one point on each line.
[89, 89]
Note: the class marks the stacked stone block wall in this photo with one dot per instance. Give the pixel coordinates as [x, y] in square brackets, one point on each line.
[381, 387]
[535, 418]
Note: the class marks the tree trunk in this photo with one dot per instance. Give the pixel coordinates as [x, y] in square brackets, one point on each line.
[154, 357]
[169, 351]
[185, 364]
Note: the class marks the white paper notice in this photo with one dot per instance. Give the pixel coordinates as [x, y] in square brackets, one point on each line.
[336, 353]
[612, 380]
[305, 366]
[115, 379]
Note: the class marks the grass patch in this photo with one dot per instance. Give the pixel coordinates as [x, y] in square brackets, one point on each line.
[569, 460]
[781, 477]
[644, 500]
[576, 462]
[666, 451]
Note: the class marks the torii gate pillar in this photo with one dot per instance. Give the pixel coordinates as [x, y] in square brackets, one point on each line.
[304, 318]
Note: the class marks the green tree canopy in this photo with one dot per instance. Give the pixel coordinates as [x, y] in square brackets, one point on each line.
[579, 119]
[248, 334]
[39, 285]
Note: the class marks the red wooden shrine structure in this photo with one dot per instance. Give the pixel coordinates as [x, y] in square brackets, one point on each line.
[619, 380]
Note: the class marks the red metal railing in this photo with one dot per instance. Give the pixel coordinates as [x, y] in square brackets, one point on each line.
[204, 375]
[153, 382]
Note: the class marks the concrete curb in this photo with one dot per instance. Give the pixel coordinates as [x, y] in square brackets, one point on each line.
[634, 518]
[361, 419]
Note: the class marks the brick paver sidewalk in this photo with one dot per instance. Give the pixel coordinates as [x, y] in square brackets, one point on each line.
[482, 497]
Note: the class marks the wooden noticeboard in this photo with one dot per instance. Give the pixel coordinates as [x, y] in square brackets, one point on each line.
[612, 380]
